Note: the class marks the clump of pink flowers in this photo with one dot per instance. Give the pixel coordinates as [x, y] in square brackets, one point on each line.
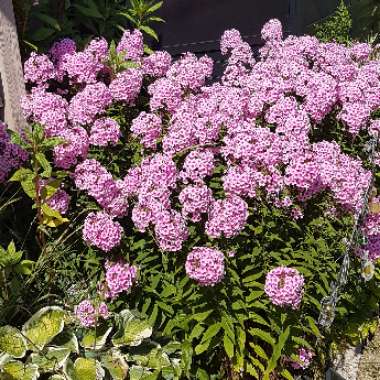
[11, 155]
[88, 312]
[305, 357]
[59, 201]
[205, 266]
[284, 287]
[209, 150]
[101, 231]
[120, 276]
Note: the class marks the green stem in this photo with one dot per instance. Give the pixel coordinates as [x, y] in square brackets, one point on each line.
[3, 285]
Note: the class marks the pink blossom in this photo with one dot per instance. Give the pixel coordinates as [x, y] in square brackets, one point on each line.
[284, 287]
[205, 266]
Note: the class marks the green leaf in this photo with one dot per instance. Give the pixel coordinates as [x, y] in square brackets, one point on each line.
[313, 326]
[259, 351]
[139, 373]
[287, 375]
[52, 218]
[202, 374]
[155, 7]
[50, 359]
[228, 346]
[25, 267]
[12, 342]
[10, 256]
[211, 331]
[114, 362]
[301, 342]
[45, 164]
[43, 326]
[52, 142]
[266, 337]
[29, 186]
[16, 370]
[66, 339]
[132, 331]
[51, 21]
[196, 332]
[199, 317]
[277, 351]
[149, 31]
[96, 338]
[42, 34]
[20, 174]
[84, 369]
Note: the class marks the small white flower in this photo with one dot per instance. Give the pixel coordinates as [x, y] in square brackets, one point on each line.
[368, 270]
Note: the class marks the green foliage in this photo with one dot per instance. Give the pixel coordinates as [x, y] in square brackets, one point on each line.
[51, 335]
[42, 24]
[336, 27]
[366, 18]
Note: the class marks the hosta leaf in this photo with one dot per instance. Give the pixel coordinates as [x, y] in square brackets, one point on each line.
[16, 370]
[96, 338]
[156, 359]
[66, 339]
[12, 342]
[132, 331]
[84, 369]
[5, 358]
[57, 377]
[43, 326]
[51, 358]
[139, 373]
[115, 364]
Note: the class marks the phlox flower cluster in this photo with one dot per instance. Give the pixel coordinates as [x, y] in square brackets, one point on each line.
[148, 128]
[284, 287]
[120, 277]
[305, 357]
[205, 266]
[11, 155]
[101, 231]
[111, 195]
[371, 230]
[104, 131]
[88, 312]
[59, 201]
[254, 134]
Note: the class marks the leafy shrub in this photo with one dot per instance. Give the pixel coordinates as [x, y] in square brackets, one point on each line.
[218, 211]
[366, 18]
[42, 22]
[336, 27]
[54, 345]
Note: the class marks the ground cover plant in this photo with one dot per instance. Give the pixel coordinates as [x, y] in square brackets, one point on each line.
[210, 216]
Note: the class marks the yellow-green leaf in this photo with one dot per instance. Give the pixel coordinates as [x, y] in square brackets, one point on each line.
[43, 326]
[12, 342]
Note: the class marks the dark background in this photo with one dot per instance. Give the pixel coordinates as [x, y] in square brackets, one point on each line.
[196, 25]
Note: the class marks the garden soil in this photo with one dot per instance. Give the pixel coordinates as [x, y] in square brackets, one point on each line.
[369, 366]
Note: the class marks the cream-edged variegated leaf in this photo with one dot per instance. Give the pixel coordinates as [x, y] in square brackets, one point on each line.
[43, 326]
[16, 370]
[12, 342]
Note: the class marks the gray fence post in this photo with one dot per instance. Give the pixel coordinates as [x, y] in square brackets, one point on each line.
[11, 75]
